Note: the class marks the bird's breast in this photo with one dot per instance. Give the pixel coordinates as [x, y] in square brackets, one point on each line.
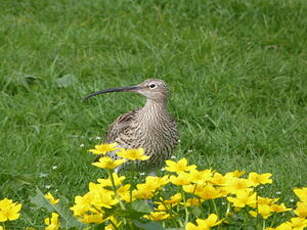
[154, 132]
[158, 137]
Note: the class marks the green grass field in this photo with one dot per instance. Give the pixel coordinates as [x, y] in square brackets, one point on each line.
[236, 70]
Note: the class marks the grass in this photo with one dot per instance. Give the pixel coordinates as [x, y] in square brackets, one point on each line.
[236, 69]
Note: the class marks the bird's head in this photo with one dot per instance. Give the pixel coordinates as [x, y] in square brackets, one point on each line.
[153, 89]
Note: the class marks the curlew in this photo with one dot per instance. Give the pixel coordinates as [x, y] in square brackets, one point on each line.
[150, 127]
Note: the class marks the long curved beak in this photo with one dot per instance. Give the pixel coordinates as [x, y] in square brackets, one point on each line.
[111, 90]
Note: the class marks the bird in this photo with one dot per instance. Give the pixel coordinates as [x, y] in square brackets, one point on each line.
[150, 127]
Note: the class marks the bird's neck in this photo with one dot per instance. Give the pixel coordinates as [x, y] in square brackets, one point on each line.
[154, 111]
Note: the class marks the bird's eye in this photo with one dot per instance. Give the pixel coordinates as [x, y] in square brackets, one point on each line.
[152, 86]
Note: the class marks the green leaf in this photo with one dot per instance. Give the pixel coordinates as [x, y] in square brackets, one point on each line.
[196, 211]
[40, 201]
[149, 226]
[67, 220]
[141, 206]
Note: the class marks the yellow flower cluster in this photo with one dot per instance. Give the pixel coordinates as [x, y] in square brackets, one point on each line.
[193, 186]
[300, 221]
[107, 162]
[91, 207]
[184, 197]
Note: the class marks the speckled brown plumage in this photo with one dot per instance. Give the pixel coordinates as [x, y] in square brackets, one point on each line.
[150, 127]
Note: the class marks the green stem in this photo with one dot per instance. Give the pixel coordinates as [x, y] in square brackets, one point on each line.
[215, 208]
[171, 213]
[228, 209]
[185, 208]
[130, 225]
[110, 172]
[273, 220]
[180, 222]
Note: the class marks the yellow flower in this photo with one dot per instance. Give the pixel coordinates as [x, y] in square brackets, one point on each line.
[124, 193]
[175, 199]
[9, 210]
[219, 179]
[133, 154]
[204, 224]
[158, 182]
[108, 163]
[161, 207]
[51, 198]
[295, 223]
[243, 198]
[82, 205]
[93, 202]
[108, 182]
[152, 183]
[101, 197]
[193, 202]
[266, 200]
[205, 192]
[301, 193]
[143, 191]
[208, 192]
[235, 173]
[93, 218]
[211, 221]
[234, 185]
[192, 188]
[191, 226]
[283, 226]
[157, 216]
[279, 208]
[267, 205]
[104, 149]
[200, 177]
[181, 179]
[301, 209]
[298, 223]
[142, 194]
[178, 167]
[118, 180]
[264, 210]
[256, 179]
[52, 223]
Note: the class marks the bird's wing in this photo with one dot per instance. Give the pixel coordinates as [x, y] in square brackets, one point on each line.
[119, 126]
